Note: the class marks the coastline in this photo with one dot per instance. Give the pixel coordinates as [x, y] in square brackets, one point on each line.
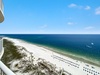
[65, 53]
[61, 61]
[68, 54]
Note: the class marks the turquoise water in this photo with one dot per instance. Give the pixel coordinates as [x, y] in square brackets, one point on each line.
[82, 45]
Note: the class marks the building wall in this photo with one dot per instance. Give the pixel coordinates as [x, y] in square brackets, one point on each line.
[1, 5]
[0, 44]
[1, 48]
[1, 11]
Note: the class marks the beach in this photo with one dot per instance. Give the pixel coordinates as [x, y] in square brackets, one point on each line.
[73, 66]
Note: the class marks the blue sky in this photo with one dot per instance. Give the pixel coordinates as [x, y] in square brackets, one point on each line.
[51, 17]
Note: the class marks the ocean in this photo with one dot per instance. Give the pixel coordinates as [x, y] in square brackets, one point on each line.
[84, 45]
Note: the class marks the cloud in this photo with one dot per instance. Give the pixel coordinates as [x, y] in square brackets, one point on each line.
[87, 8]
[89, 27]
[72, 5]
[70, 23]
[79, 6]
[44, 26]
[97, 11]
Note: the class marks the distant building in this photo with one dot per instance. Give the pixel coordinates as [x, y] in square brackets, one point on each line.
[1, 11]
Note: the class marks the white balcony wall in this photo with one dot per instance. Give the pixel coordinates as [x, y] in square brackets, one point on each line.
[1, 11]
[1, 48]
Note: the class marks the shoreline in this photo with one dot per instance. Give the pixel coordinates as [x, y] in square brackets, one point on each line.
[73, 56]
[65, 53]
[71, 65]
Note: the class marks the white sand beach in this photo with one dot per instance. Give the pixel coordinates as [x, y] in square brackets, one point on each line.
[72, 66]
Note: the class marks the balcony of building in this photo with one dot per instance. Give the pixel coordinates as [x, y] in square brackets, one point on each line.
[1, 11]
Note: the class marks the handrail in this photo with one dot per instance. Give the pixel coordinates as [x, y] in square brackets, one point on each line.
[1, 72]
[3, 67]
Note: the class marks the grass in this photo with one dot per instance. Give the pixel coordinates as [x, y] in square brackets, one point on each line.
[10, 52]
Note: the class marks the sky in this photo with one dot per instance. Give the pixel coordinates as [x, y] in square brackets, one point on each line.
[51, 17]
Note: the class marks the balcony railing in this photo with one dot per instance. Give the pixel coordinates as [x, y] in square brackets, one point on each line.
[4, 70]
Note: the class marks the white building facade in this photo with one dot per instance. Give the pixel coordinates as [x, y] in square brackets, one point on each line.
[1, 11]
